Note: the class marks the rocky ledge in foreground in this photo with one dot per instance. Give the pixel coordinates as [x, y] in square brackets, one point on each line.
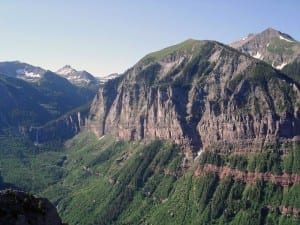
[20, 208]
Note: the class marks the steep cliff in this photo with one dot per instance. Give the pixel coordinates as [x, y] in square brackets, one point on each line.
[200, 94]
[63, 128]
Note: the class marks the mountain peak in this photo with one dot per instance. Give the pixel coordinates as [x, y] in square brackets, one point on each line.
[272, 46]
[67, 69]
[271, 30]
[189, 46]
[22, 70]
[78, 78]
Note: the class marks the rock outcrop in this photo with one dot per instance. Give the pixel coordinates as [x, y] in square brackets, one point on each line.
[19, 208]
[199, 94]
[248, 177]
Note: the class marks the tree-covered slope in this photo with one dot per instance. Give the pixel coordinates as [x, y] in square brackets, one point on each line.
[20, 104]
[133, 183]
[108, 181]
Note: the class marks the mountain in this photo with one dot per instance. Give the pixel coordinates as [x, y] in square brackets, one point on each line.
[33, 100]
[21, 70]
[78, 78]
[20, 208]
[274, 47]
[196, 133]
[22, 105]
[201, 95]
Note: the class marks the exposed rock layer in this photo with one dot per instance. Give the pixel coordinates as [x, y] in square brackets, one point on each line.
[200, 94]
[248, 177]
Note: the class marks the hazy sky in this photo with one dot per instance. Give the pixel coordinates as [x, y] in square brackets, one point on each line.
[104, 37]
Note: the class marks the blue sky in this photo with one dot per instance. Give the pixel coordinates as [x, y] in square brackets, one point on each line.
[104, 37]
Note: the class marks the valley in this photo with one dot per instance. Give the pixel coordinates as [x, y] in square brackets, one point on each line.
[196, 133]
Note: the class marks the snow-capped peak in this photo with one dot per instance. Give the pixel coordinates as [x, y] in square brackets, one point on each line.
[79, 78]
[66, 70]
[22, 70]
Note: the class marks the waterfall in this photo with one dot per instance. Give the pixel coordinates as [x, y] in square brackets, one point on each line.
[37, 137]
[36, 142]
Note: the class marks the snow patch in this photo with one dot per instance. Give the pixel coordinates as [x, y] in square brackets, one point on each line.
[198, 154]
[281, 66]
[23, 72]
[283, 38]
[108, 77]
[258, 56]
[32, 75]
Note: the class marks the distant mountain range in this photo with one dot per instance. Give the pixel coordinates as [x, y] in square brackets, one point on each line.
[33, 74]
[83, 78]
[32, 96]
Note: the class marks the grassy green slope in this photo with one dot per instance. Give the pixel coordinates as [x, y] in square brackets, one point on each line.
[108, 181]
[105, 176]
[127, 183]
[27, 167]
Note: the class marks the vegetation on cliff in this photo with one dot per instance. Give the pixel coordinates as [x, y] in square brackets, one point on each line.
[109, 181]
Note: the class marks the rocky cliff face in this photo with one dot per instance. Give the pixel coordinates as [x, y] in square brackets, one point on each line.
[272, 46]
[19, 208]
[200, 94]
[61, 129]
